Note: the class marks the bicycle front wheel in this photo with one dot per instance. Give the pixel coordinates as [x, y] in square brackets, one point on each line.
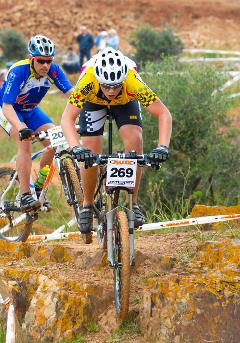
[15, 226]
[121, 265]
[75, 191]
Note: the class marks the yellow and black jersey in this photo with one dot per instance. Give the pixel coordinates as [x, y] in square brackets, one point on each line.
[88, 89]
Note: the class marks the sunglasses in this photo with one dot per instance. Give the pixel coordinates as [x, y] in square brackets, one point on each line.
[40, 61]
[108, 87]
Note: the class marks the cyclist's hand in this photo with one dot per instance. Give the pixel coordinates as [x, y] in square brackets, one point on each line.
[158, 155]
[84, 155]
[25, 134]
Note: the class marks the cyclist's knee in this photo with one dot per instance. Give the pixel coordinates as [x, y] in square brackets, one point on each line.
[94, 143]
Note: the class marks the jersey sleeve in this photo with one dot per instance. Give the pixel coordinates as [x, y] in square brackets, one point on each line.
[141, 91]
[59, 78]
[12, 87]
[82, 91]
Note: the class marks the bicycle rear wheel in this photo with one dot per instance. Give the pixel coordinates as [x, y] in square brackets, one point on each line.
[121, 265]
[75, 191]
[15, 226]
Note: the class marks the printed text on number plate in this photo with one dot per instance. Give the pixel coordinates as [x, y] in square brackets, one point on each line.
[121, 172]
[56, 136]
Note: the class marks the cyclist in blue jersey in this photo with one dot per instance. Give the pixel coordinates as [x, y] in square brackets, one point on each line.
[24, 86]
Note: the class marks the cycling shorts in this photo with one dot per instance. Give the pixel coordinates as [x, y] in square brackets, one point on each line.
[33, 119]
[93, 117]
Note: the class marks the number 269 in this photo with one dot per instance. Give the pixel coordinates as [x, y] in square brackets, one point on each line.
[121, 172]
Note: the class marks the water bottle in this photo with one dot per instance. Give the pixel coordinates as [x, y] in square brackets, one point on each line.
[43, 173]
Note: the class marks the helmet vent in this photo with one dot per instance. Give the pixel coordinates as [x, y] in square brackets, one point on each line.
[111, 61]
[104, 63]
[112, 76]
[97, 71]
[118, 75]
[106, 75]
[118, 62]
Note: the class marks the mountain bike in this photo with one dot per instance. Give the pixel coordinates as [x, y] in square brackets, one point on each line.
[15, 225]
[114, 218]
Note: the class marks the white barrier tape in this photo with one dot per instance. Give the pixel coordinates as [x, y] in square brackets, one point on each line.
[231, 82]
[63, 227]
[14, 222]
[209, 51]
[212, 59]
[10, 335]
[235, 95]
[53, 236]
[4, 301]
[145, 227]
[190, 221]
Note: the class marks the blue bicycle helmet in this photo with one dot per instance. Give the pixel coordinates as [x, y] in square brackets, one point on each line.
[41, 46]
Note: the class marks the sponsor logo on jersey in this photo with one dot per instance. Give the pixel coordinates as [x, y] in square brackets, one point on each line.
[87, 89]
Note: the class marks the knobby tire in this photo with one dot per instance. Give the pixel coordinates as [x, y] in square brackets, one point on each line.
[99, 200]
[76, 187]
[122, 271]
[20, 231]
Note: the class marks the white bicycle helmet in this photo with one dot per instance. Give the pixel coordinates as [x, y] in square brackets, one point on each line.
[41, 46]
[110, 67]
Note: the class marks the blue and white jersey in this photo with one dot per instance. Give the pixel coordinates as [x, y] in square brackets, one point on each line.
[24, 91]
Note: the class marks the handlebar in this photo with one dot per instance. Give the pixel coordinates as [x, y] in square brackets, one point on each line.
[142, 160]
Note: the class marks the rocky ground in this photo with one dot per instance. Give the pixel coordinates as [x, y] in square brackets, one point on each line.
[64, 271]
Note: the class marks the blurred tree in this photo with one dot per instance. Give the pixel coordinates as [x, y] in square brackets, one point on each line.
[153, 45]
[12, 44]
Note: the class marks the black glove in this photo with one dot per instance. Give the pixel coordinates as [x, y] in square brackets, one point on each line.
[158, 155]
[83, 155]
[25, 133]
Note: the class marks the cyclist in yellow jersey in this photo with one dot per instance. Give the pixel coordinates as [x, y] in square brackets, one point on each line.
[110, 81]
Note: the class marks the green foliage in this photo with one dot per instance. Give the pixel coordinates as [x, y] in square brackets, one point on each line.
[126, 330]
[2, 335]
[204, 160]
[13, 44]
[152, 45]
[92, 327]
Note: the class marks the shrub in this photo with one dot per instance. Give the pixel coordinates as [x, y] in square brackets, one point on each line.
[152, 45]
[204, 160]
[13, 44]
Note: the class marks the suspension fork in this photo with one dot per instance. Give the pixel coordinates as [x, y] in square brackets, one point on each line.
[131, 217]
[110, 216]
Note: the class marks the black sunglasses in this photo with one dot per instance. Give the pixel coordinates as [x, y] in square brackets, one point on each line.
[40, 61]
[119, 85]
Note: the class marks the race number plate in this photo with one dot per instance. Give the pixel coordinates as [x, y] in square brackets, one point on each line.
[121, 172]
[56, 136]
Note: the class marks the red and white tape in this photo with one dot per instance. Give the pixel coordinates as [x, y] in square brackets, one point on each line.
[146, 227]
[190, 221]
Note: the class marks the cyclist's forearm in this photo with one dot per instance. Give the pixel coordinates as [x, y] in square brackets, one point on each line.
[160, 111]
[11, 116]
[164, 128]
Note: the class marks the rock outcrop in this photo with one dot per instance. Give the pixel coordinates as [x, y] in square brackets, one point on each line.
[199, 302]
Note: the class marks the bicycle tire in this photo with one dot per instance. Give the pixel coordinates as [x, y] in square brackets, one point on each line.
[100, 203]
[121, 265]
[75, 190]
[9, 231]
